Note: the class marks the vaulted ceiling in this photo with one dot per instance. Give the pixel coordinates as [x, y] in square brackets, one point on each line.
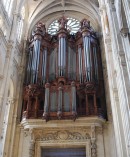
[49, 10]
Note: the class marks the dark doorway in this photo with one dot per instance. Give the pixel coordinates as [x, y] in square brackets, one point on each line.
[63, 152]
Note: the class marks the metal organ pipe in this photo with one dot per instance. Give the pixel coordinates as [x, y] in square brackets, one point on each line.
[59, 57]
[33, 65]
[29, 70]
[60, 102]
[76, 55]
[80, 64]
[73, 91]
[46, 103]
[69, 71]
[62, 56]
[62, 52]
[44, 63]
[64, 63]
[95, 63]
[88, 60]
[36, 58]
[85, 57]
[31, 58]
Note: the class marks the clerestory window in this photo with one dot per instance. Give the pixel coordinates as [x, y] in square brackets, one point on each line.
[73, 25]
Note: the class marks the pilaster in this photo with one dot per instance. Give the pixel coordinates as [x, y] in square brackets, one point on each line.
[117, 74]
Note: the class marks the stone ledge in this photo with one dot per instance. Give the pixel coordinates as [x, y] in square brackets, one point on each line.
[81, 122]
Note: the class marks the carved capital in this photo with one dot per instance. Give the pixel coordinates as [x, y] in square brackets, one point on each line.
[102, 8]
[124, 32]
[10, 44]
[11, 101]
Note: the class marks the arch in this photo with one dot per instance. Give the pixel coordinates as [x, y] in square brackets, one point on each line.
[48, 11]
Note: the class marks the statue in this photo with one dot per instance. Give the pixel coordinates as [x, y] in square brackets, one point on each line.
[63, 22]
[85, 23]
[40, 27]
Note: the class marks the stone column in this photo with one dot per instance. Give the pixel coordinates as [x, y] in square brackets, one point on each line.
[7, 67]
[7, 126]
[118, 79]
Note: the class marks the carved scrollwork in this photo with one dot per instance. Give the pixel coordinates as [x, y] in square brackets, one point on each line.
[90, 87]
[33, 90]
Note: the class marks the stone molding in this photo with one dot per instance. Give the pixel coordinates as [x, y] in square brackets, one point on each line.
[67, 135]
[77, 135]
[62, 136]
[80, 122]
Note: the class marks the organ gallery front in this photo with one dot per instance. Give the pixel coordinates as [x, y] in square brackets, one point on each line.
[64, 77]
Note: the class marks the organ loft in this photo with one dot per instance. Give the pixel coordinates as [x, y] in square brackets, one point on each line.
[64, 78]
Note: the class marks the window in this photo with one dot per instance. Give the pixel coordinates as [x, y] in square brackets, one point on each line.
[73, 26]
[20, 24]
[8, 6]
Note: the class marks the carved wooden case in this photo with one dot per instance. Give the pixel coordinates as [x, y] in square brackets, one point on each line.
[64, 74]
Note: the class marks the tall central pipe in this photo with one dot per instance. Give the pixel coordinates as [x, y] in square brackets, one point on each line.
[62, 47]
[62, 55]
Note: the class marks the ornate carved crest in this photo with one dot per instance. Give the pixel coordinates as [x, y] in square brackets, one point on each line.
[61, 135]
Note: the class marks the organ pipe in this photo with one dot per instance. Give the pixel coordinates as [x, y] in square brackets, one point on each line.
[80, 65]
[95, 63]
[59, 56]
[46, 103]
[70, 66]
[44, 64]
[87, 58]
[37, 55]
[29, 68]
[60, 100]
[73, 91]
[62, 56]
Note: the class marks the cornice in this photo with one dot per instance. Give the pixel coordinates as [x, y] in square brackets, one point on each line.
[80, 122]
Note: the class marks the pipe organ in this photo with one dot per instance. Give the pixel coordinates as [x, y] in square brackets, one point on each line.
[64, 74]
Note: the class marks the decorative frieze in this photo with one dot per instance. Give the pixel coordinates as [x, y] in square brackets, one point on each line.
[61, 135]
